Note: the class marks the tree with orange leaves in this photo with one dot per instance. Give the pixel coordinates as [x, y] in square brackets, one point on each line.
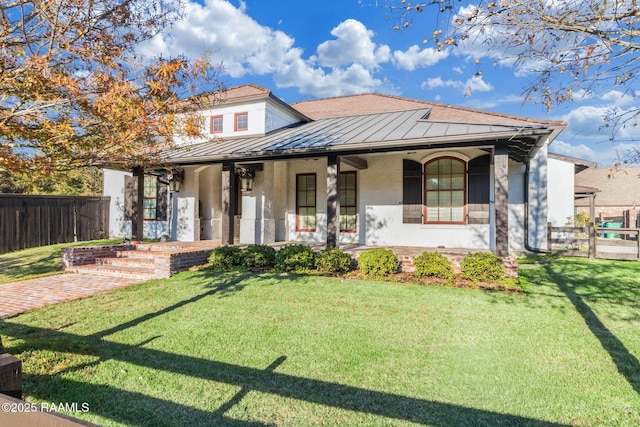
[74, 91]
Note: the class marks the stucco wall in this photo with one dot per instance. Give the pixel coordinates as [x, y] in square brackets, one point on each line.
[560, 189]
[113, 186]
[264, 116]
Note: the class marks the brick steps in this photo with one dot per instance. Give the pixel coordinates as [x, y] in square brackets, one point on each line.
[129, 261]
[123, 271]
[140, 262]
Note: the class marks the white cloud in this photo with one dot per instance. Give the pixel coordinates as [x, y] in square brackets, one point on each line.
[244, 47]
[315, 81]
[477, 84]
[585, 119]
[353, 44]
[580, 151]
[474, 84]
[618, 98]
[436, 82]
[413, 57]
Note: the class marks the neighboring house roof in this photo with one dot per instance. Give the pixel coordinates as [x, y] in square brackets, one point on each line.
[619, 187]
[580, 164]
[366, 133]
[379, 103]
[582, 191]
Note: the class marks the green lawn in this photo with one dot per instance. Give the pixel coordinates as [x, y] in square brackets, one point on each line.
[234, 349]
[36, 262]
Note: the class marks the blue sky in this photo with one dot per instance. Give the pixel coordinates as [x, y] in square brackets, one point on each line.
[312, 49]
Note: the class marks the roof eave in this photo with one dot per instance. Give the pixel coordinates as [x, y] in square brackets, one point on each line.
[475, 140]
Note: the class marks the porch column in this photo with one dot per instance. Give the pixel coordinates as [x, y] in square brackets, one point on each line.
[137, 220]
[228, 202]
[333, 203]
[501, 198]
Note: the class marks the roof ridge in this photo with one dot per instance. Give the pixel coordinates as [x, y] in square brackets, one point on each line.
[443, 105]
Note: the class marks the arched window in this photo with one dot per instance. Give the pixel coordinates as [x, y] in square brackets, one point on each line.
[445, 188]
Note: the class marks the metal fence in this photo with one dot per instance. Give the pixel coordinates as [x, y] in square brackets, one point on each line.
[28, 221]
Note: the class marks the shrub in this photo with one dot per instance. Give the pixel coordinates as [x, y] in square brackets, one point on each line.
[482, 267]
[226, 257]
[295, 258]
[433, 264]
[258, 256]
[378, 262]
[333, 260]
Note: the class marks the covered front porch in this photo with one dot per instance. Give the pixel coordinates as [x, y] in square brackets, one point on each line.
[362, 200]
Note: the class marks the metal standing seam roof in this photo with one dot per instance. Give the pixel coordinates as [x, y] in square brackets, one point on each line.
[361, 132]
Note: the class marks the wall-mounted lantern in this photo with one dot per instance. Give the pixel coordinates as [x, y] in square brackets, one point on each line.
[246, 178]
[176, 178]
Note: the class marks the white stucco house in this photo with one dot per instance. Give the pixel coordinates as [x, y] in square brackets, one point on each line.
[368, 169]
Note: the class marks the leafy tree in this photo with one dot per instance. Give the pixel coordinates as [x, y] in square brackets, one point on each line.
[82, 182]
[569, 47]
[75, 91]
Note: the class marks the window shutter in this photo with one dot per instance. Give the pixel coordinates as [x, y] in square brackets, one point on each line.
[411, 192]
[161, 199]
[478, 190]
[130, 196]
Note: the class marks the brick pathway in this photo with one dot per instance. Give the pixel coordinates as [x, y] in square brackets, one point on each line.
[17, 297]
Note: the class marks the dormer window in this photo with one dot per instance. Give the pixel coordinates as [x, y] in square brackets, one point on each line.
[216, 124]
[242, 122]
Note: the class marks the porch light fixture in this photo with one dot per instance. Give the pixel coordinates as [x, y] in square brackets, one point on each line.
[246, 178]
[175, 180]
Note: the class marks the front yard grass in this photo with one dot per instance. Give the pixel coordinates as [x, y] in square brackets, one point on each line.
[207, 348]
[36, 262]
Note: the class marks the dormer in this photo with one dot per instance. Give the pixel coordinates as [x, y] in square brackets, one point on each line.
[247, 111]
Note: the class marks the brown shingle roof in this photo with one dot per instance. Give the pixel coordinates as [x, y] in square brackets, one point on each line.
[378, 103]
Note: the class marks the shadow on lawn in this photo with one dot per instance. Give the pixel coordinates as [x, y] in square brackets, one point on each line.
[137, 409]
[599, 283]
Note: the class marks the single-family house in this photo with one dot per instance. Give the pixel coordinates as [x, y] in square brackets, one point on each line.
[367, 169]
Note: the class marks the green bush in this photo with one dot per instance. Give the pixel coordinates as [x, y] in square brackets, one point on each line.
[295, 258]
[378, 262]
[433, 264]
[258, 257]
[482, 267]
[333, 260]
[226, 257]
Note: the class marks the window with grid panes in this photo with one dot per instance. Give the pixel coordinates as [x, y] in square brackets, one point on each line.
[150, 193]
[306, 202]
[216, 124]
[242, 121]
[445, 191]
[347, 192]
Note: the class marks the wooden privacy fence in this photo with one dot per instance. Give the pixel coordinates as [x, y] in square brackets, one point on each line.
[28, 221]
[594, 242]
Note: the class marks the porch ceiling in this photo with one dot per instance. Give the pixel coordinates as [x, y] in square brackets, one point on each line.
[367, 133]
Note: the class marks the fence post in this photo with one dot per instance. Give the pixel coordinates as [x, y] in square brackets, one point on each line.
[592, 241]
[549, 236]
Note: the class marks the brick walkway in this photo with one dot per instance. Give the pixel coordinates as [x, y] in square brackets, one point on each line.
[17, 297]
